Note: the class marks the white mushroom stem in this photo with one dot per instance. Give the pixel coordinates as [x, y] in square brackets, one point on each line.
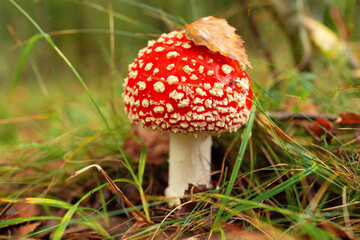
[189, 162]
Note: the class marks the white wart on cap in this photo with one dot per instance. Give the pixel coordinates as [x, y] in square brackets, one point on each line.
[179, 87]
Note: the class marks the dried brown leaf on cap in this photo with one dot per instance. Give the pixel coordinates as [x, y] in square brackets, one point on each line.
[218, 36]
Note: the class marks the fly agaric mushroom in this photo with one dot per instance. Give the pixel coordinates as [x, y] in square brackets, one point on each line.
[191, 92]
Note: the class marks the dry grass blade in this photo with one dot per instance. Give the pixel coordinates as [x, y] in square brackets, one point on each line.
[136, 213]
[314, 202]
[32, 117]
[134, 227]
[168, 215]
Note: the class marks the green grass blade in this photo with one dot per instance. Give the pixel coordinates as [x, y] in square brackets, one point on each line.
[9, 222]
[142, 162]
[164, 15]
[256, 204]
[103, 206]
[91, 30]
[274, 191]
[51, 42]
[222, 234]
[141, 170]
[76, 73]
[194, 10]
[144, 27]
[41, 201]
[237, 165]
[67, 217]
[54, 203]
[20, 65]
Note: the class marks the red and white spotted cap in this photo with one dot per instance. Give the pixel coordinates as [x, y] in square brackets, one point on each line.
[179, 87]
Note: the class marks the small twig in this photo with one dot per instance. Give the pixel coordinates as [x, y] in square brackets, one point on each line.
[137, 214]
[299, 116]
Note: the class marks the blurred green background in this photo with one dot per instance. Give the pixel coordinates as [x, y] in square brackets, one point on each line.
[299, 50]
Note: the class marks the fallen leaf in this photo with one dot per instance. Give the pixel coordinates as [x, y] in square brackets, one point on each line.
[266, 231]
[323, 127]
[348, 118]
[233, 231]
[157, 145]
[324, 38]
[336, 231]
[357, 135]
[24, 230]
[79, 232]
[218, 36]
[196, 189]
[4, 211]
[20, 209]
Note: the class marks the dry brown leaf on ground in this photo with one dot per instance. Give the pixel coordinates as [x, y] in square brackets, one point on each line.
[336, 231]
[264, 232]
[218, 36]
[357, 135]
[323, 127]
[24, 230]
[348, 118]
[20, 209]
[78, 232]
[157, 145]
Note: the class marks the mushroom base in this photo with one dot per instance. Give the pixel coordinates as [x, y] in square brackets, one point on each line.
[189, 162]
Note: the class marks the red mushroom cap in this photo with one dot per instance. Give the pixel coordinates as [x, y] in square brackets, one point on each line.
[177, 86]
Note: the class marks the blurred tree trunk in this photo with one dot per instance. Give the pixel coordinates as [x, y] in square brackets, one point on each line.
[288, 14]
[257, 35]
